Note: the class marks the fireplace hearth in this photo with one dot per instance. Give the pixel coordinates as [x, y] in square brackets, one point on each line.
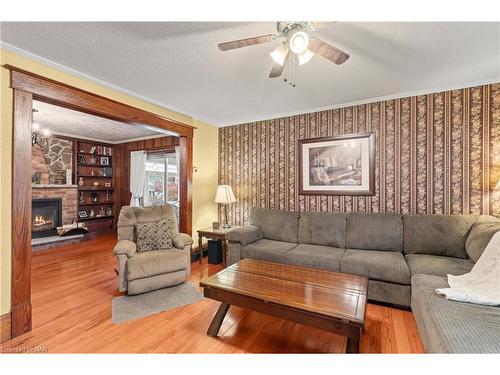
[46, 216]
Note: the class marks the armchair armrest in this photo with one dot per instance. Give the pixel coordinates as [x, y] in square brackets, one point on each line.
[125, 247]
[245, 235]
[182, 240]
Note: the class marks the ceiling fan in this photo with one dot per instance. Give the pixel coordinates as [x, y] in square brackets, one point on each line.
[296, 42]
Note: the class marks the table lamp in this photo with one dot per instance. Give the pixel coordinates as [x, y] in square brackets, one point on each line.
[225, 196]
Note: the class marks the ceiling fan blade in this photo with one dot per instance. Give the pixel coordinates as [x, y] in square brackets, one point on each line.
[329, 52]
[245, 42]
[276, 70]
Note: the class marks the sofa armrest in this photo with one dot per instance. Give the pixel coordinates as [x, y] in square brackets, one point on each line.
[245, 235]
[181, 240]
[125, 247]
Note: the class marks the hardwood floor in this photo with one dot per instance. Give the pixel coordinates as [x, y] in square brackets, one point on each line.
[72, 290]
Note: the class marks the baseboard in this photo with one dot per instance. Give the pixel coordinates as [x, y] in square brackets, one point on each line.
[5, 327]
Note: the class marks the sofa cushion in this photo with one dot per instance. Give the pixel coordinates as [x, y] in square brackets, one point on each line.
[452, 327]
[315, 256]
[374, 231]
[244, 235]
[151, 263]
[276, 225]
[443, 235]
[482, 231]
[269, 250]
[437, 265]
[387, 266]
[153, 236]
[322, 228]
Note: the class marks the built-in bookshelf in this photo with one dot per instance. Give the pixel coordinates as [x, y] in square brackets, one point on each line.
[96, 185]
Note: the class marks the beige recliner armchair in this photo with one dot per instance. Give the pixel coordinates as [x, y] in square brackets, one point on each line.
[141, 272]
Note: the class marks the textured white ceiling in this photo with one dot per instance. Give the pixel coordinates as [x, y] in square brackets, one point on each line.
[178, 65]
[76, 124]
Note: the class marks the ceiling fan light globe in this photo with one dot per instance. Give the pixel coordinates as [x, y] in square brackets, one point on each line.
[279, 54]
[305, 57]
[298, 42]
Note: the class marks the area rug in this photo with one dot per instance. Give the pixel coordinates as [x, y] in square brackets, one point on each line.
[127, 308]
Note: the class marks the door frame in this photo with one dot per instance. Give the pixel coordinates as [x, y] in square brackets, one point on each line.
[27, 87]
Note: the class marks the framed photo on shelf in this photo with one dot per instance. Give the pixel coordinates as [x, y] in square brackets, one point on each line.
[82, 214]
[104, 160]
[81, 159]
[339, 165]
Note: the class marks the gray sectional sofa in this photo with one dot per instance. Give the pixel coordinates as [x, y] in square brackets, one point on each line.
[405, 258]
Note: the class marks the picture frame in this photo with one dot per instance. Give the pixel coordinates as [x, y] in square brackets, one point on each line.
[104, 160]
[338, 165]
[81, 159]
[82, 214]
[215, 225]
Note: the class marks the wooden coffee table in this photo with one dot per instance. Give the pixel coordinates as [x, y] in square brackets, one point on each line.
[331, 301]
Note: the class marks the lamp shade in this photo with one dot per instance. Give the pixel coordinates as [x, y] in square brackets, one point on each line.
[224, 194]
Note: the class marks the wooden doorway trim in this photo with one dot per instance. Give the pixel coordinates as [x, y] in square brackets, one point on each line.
[28, 87]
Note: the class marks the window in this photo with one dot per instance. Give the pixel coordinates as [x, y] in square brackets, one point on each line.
[162, 180]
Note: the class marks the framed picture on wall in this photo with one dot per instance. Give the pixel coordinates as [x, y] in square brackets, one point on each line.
[339, 165]
[81, 159]
[82, 214]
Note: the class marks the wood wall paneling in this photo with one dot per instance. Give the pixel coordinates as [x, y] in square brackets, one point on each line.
[122, 160]
[21, 215]
[436, 153]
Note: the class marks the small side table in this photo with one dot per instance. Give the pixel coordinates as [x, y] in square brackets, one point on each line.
[211, 233]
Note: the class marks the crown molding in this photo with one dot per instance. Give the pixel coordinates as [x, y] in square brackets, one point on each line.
[69, 135]
[219, 124]
[377, 99]
[64, 69]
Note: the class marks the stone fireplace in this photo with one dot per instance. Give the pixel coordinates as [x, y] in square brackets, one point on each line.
[46, 216]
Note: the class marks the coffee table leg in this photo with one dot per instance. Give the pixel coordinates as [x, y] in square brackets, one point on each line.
[213, 330]
[352, 345]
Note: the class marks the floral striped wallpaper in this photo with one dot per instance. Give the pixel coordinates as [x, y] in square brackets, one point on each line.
[436, 153]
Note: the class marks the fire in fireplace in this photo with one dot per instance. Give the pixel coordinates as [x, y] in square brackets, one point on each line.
[46, 216]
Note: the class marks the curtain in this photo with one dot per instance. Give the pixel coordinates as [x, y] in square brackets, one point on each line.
[178, 160]
[137, 176]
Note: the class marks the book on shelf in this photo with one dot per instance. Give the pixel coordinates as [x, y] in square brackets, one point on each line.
[104, 150]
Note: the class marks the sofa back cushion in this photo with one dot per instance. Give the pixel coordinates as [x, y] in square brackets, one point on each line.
[369, 231]
[443, 235]
[276, 225]
[130, 216]
[322, 228]
[480, 235]
[126, 224]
